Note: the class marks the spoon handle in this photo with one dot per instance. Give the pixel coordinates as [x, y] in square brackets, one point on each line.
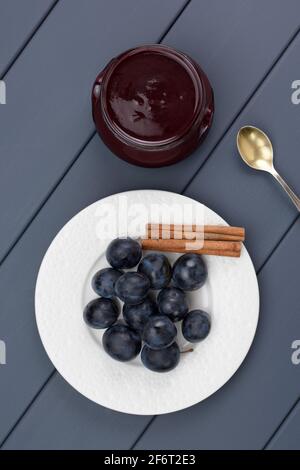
[288, 190]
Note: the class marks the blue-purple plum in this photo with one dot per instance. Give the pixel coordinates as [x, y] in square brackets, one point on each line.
[196, 326]
[103, 282]
[189, 272]
[173, 303]
[159, 332]
[121, 342]
[101, 313]
[132, 287]
[157, 268]
[161, 360]
[123, 253]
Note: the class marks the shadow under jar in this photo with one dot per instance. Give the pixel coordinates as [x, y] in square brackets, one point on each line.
[152, 105]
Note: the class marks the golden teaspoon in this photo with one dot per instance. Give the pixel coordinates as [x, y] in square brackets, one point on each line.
[256, 150]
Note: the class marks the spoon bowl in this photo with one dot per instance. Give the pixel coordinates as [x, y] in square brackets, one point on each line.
[256, 150]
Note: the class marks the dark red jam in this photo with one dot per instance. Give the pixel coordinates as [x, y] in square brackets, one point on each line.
[152, 105]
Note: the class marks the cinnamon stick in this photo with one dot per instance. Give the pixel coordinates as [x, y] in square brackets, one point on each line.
[223, 230]
[189, 235]
[208, 247]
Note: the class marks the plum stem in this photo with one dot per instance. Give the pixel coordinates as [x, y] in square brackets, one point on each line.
[187, 351]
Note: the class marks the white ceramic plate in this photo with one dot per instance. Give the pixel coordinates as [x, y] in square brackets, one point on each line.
[63, 288]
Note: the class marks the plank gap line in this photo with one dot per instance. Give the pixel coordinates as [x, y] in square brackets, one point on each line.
[47, 197]
[28, 40]
[281, 424]
[143, 432]
[172, 23]
[269, 256]
[27, 408]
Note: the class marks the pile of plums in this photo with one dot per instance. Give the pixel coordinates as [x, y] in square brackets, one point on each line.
[148, 324]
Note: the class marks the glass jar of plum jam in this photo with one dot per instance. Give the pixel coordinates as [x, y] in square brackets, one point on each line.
[152, 105]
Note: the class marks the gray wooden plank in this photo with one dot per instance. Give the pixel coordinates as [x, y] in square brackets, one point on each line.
[48, 115]
[288, 436]
[218, 34]
[85, 425]
[250, 407]
[18, 20]
[98, 178]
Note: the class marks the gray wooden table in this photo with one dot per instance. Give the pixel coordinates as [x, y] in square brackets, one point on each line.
[52, 164]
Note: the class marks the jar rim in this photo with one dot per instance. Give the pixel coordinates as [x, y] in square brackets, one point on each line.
[200, 98]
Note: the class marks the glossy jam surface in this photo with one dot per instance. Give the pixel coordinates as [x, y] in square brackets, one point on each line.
[151, 96]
